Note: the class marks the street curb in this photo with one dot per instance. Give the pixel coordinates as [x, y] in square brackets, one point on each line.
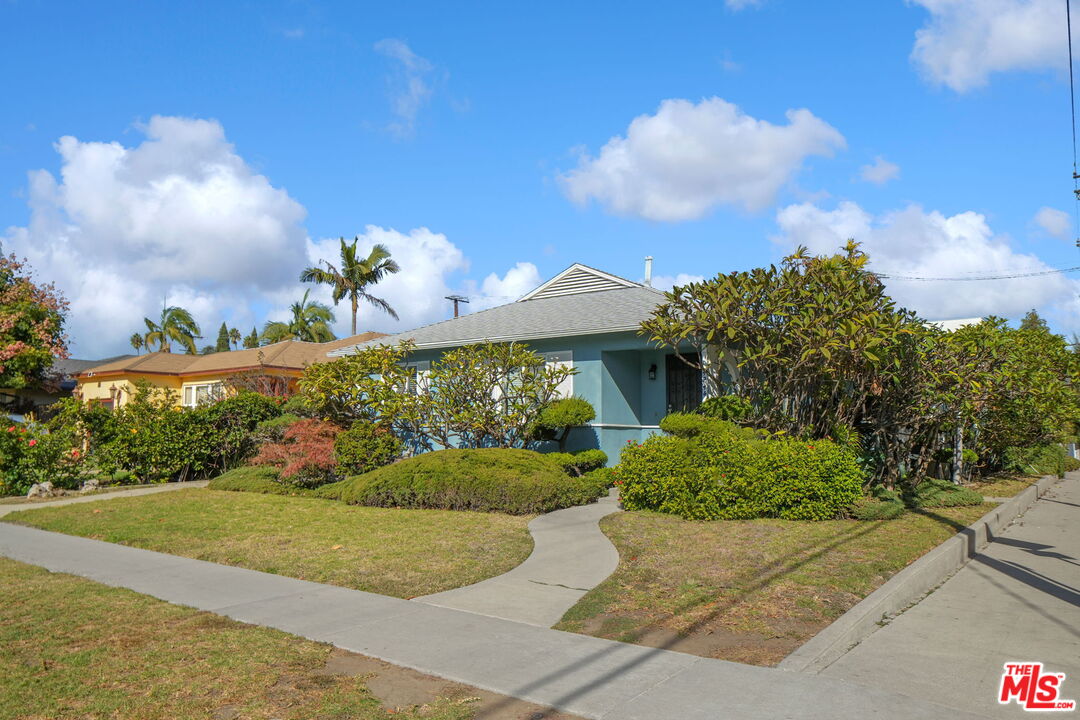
[909, 585]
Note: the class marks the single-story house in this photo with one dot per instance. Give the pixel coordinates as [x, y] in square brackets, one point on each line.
[587, 319]
[198, 378]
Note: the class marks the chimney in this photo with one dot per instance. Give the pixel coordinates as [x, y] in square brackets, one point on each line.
[648, 270]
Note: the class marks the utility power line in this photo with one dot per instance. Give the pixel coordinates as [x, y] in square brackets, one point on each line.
[971, 278]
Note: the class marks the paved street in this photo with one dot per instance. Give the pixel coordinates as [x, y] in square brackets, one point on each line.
[1017, 600]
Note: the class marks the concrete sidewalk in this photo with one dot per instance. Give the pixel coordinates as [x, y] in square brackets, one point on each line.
[570, 557]
[7, 509]
[588, 676]
[1017, 600]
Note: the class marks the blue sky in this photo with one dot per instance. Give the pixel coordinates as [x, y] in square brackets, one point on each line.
[505, 130]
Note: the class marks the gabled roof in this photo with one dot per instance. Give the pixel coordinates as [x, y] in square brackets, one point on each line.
[287, 355]
[578, 279]
[568, 305]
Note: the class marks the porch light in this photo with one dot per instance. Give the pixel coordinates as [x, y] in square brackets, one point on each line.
[652, 371]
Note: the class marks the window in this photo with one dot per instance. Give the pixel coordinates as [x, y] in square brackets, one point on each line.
[417, 372]
[563, 358]
[204, 393]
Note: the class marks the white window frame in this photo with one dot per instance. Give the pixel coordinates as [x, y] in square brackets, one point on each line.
[561, 357]
[214, 391]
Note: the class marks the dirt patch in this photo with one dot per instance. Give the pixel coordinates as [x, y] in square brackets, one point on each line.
[711, 640]
[399, 688]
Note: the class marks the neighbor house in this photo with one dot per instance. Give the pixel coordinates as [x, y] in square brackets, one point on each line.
[589, 320]
[201, 378]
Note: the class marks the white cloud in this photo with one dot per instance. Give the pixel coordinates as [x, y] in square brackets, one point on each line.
[410, 85]
[182, 216]
[666, 282]
[689, 158]
[880, 171]
[1054, 222]
[496, 290]
[965, 41]
[916, 243]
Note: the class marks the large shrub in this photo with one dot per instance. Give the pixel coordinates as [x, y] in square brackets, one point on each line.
[366, 446]
[710, 469]
[492, 480]
[1039, 460]
[305, 456]
[156, 441]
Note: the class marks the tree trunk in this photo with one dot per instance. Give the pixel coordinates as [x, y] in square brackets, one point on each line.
[958, 453]
[354, 314]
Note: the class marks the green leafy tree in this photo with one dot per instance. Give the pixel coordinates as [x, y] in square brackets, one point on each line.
[137, 342]
[174, 325]
[310, 322]
[251, 340]
[31, 326]
[484, 395]
[355, 275]
[235, 338]
[222, 344]
[804, 343]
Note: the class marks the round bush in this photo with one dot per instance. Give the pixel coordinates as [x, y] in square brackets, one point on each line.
[364, 447]
[518, 482]
[711, 469]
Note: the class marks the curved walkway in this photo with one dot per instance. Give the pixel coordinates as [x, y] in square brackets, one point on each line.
[7, 509]
[570, 557]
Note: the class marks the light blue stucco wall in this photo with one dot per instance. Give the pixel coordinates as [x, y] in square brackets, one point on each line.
[613, 375]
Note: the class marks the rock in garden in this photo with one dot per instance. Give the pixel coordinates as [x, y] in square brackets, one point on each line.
[91, 484]
[44, 489]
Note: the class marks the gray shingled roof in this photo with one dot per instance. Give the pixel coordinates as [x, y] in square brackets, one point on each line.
[564, 316]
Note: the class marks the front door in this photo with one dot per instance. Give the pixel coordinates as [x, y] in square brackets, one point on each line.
[683, 384]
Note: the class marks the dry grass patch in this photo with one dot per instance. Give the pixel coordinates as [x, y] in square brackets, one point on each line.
[752, 590]
[396, 552]
[1003, 485]
[71, 648]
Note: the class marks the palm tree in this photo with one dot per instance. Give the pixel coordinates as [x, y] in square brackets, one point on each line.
[175, 325]
[137, 342]
[355, 276]
[235, 337]
[310, 322]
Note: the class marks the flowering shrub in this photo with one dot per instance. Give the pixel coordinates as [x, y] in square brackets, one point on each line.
[30, 453]
[31, 325]
[305, 455]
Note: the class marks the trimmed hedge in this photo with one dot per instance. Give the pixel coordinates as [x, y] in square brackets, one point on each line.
[517, 482]
[364, 447]
[257, 479]
[934, 493]
[710, 469]
[580, 462]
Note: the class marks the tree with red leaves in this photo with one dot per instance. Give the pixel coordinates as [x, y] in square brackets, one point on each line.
[31, 326]
[306, 454]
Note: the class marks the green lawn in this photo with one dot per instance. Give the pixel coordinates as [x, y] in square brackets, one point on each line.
[71, 648]
[748, 591]
[403, 553]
